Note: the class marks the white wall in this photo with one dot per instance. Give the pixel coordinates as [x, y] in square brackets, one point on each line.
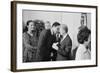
[5, 37]
[73, 22]
[41, 15]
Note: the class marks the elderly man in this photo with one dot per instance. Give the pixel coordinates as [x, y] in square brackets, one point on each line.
[65, 45]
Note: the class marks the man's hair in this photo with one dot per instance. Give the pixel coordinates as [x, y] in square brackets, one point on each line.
[83, 35]
[55, 24]
[47, 22]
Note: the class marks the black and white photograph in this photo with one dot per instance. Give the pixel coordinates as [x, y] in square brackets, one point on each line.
[54, 36]
[49, 36]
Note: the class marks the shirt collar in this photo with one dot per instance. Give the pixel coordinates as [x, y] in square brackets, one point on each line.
[64, 37]
[51, 32]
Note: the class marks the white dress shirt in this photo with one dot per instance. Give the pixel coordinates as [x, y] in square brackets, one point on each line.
[82, 53]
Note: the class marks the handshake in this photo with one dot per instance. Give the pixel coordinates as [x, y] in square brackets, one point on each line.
[55, 46]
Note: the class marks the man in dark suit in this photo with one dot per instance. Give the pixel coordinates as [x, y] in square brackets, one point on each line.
[65, 46]
[46, 39]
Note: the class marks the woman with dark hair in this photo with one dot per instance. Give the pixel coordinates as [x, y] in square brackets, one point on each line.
[83, 37]
[29, 42]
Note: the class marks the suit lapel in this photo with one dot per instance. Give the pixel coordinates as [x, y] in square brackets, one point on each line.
[63, 39]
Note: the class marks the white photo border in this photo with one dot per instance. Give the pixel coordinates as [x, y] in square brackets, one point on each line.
[40, 65]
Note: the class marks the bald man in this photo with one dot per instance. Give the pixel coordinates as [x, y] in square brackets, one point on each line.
[64, 49]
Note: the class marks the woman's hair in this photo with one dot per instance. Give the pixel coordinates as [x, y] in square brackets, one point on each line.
[83, 35]
[27, 24]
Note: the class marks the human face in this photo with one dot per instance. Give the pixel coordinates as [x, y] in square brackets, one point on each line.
[56, 29]
[87, 42]
[47, 25]
[62, 31]
[31, 26]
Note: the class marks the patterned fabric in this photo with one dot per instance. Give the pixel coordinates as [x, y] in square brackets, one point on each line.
[29, 47]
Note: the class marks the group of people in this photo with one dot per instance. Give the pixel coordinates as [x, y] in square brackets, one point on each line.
[54, 43]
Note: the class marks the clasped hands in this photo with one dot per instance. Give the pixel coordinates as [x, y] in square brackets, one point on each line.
[54, 46]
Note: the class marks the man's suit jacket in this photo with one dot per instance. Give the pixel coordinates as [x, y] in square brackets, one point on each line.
[64, 51]
[45, 42]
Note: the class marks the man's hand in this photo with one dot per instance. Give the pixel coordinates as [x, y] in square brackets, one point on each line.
[55, 46]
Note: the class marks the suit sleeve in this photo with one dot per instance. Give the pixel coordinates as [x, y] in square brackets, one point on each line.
[42, 39]
[41, 44]
[66, 51]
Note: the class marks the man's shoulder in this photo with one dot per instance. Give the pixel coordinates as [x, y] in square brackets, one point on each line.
[45, 31]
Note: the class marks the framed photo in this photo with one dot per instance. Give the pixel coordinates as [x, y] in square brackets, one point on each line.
[47, 36]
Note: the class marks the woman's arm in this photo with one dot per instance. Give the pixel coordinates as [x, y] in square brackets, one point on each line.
[26, 42]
